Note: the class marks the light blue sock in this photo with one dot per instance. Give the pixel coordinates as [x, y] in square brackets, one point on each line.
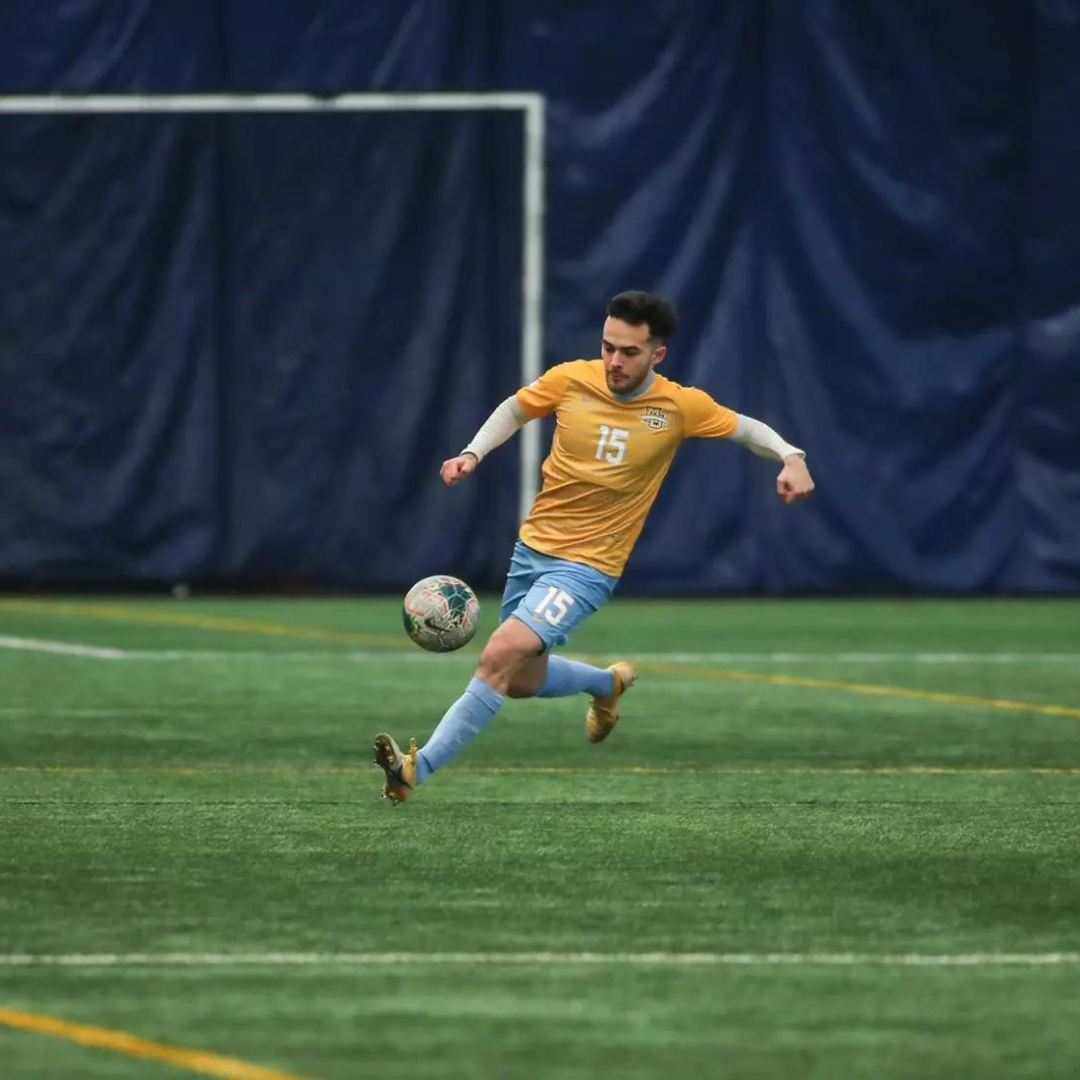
[566, 677]
[464, 720]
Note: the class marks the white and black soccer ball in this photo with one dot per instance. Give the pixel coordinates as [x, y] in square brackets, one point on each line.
[441, 613]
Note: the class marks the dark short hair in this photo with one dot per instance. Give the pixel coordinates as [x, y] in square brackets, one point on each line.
[637, 308]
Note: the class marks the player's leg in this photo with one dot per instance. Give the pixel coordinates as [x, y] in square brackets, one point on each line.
[511, 645]
[565, 677]
[559, 601]
[477, 706]
[550, 676]
[553, 597]
[529, 677]
[544, 600]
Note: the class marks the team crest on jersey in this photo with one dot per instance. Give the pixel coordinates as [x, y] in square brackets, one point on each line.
[656, 418]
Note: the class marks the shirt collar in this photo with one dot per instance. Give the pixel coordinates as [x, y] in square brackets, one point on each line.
[646, 385]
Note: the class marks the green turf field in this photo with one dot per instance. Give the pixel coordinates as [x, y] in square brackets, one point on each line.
[828, 839]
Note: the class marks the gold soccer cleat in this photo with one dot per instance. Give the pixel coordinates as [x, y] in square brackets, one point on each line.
[400, 768]
[604, 711]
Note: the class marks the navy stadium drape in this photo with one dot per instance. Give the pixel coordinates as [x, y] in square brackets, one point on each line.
[237, 347]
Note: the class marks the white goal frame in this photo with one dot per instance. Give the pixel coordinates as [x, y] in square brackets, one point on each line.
[531, 106]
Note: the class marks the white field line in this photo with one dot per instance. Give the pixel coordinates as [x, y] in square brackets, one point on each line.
[381, 656]
[416, 656]
[406, 654]
[510, 959]
[200, 707]
[63, 647]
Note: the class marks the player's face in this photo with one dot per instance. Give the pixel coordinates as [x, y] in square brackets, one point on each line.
[629, 355]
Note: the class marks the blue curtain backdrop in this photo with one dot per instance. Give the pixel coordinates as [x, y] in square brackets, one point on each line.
[239, 346]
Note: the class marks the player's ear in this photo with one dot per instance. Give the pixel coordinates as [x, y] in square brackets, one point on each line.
[659, 355]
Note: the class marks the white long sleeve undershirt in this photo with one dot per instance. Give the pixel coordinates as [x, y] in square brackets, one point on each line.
[760, 439]
[509, 417]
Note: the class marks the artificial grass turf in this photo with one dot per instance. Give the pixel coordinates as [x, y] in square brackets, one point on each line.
[209, 804]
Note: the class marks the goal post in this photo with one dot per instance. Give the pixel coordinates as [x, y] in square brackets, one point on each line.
[529, 105]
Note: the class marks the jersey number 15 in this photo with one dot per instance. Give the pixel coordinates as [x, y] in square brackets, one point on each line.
[612, 444]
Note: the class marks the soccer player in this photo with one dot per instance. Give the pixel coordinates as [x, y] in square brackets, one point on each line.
[618, 425]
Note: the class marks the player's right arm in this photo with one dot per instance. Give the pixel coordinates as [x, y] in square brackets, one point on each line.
[507, 419]
[537, 399]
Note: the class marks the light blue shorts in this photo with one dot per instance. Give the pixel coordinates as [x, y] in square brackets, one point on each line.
[552, 596]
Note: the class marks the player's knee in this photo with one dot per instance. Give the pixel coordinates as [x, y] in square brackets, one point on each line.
[500, 663]
[528, 677]
[497, 663]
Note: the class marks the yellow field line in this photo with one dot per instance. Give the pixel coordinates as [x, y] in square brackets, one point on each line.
[860, 688]
[557, 770]
[124, 613]
[226, 624]
[197, 1061]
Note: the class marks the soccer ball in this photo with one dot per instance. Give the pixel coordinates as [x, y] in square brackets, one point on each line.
[440, 613]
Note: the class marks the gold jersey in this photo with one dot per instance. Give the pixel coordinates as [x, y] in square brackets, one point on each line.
[608, 459]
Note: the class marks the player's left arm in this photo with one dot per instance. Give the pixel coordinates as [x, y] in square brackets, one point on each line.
[708, 419]
[794, 481]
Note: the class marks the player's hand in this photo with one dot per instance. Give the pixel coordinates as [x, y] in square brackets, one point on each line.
[794, 481]
[457, 468]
